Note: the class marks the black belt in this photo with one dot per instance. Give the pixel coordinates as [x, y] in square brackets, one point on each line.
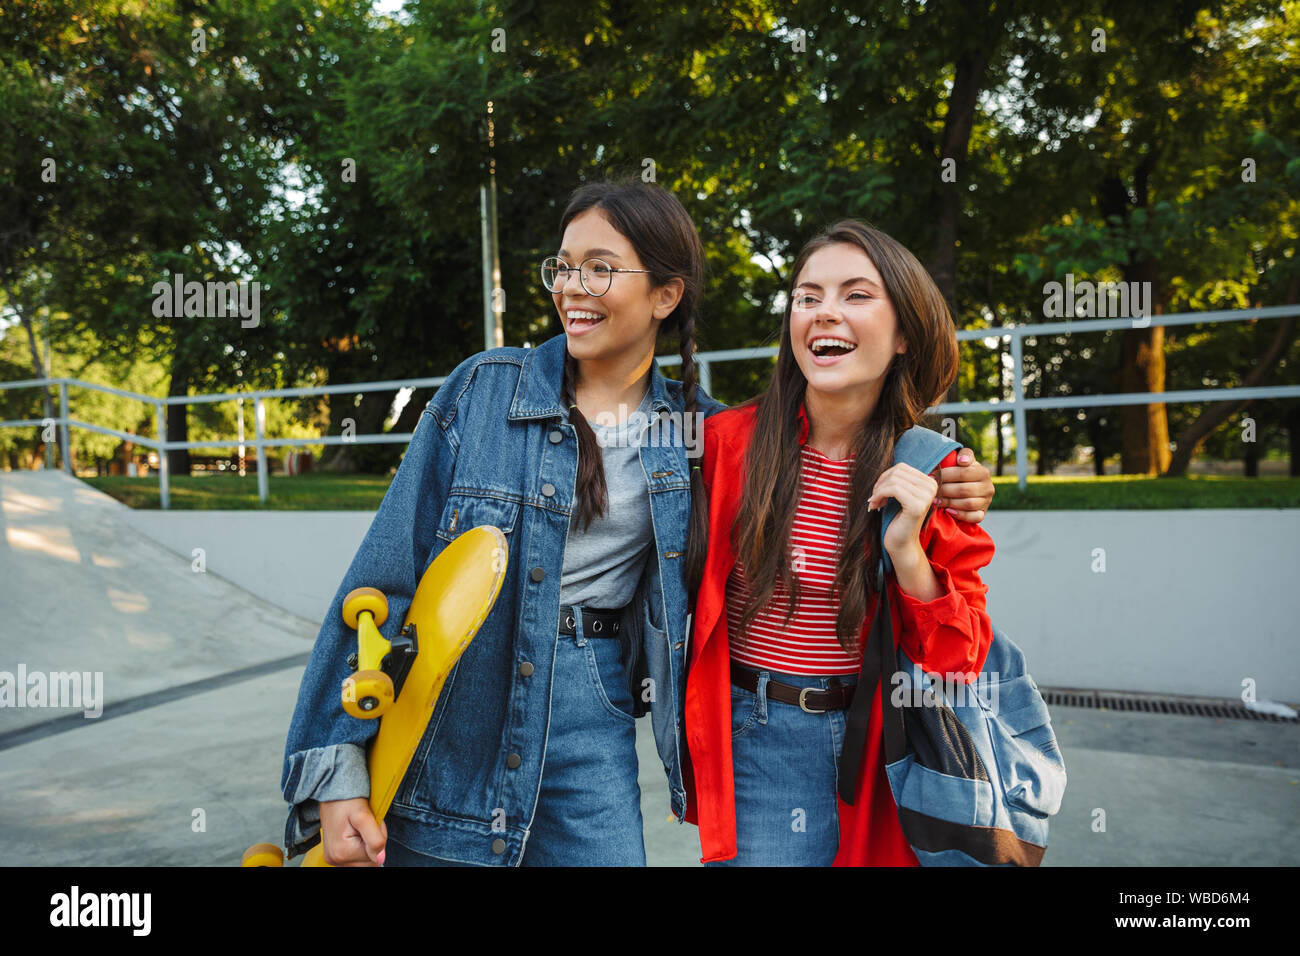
[811, 700]
[595, 621]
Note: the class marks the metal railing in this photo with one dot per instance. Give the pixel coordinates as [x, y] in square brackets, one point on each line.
[1017, 405]
[258, 397]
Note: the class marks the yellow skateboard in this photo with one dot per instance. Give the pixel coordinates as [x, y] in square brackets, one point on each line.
[400, 680]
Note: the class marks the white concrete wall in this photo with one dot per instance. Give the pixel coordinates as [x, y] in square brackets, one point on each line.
[295, 559]
[1190, 602]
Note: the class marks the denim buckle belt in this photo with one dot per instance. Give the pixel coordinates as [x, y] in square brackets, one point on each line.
[811, 700]
[596, 622]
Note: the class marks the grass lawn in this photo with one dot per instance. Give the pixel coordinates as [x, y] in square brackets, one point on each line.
[310, 492]
[1140, 492]
[325, 492]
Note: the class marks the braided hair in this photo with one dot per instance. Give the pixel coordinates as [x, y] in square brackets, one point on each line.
[666, 241]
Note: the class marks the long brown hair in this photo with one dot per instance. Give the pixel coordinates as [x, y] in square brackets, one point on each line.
[915, 380]
[668, 245]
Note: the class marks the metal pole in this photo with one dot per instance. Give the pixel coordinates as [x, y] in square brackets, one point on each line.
[498, 303]
[493, 336]
[1018, 410]
[164, 470]
[259, 417]
[65, 446]
[239, 405]
[49, 452]
[706, 375]
[486, 243]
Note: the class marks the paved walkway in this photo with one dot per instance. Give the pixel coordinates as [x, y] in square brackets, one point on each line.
[182, 740]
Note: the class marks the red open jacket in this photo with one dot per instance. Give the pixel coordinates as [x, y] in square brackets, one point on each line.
[952, 633]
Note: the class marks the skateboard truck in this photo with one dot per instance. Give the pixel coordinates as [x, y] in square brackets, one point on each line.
[381, 665]
[397, 662]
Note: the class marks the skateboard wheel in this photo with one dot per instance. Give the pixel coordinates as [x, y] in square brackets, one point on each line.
[365, 599]
[367, 694]
[263, 854]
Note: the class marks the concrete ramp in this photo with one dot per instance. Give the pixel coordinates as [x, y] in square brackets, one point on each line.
[197, 682]
[83, 592]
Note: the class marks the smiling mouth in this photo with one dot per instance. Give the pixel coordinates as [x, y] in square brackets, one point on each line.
[826, 347]
[581, 319]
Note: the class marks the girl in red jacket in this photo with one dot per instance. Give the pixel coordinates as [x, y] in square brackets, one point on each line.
[796, 480]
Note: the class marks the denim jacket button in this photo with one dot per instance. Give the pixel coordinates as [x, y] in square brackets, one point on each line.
[556, 437]
[526, 669]
[537, 574]
[498, 846]
[548, 489]
[513, 761]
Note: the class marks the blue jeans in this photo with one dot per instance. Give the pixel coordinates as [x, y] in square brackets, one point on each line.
[786, 768]
[589, 807]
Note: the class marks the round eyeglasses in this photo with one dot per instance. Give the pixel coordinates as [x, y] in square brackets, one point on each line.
[595, 275]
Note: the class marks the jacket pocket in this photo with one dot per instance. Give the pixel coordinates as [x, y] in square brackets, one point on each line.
[466, 510]
[413, 790]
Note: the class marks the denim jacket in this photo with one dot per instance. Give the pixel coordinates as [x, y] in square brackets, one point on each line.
[492, 447]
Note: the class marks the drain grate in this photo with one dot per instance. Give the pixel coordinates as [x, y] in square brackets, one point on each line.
[1225, 708]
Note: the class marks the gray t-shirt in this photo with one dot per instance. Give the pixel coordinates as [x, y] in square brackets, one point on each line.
[603, 564]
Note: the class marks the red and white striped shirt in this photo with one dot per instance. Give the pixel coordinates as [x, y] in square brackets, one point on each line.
[808, 645]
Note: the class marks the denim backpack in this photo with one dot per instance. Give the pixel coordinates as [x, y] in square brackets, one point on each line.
[975, 774]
